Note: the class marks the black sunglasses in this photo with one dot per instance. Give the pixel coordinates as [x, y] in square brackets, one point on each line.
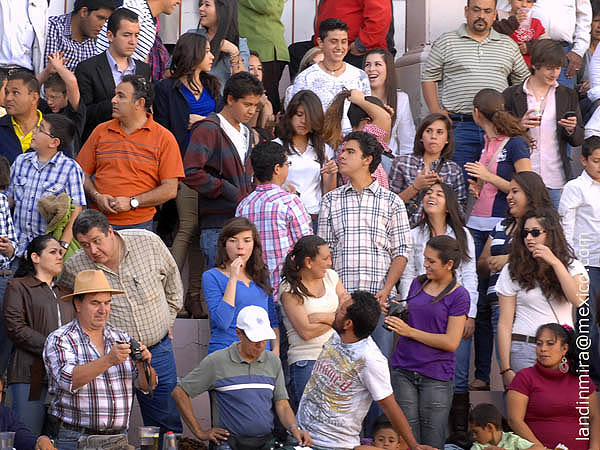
[534, 232]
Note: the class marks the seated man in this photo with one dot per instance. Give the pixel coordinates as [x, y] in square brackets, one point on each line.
[350, 373]
[90, 374]
[24, 438]
[244, 382]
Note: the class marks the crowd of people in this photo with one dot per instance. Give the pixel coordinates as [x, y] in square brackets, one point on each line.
[347, 261]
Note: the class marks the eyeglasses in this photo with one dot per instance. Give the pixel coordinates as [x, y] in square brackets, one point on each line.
[287, 163]
[534, 232]
[38, 129]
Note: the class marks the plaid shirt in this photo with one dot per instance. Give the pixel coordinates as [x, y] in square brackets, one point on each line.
[281, 220]
[405, 169]
[151, 281]
[103, 403]
[31, 180]
[6, 229]
[60, 37]
[365, 233]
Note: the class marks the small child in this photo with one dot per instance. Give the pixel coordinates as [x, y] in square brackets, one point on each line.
[520, 26]
[486, 424]
[385, 436]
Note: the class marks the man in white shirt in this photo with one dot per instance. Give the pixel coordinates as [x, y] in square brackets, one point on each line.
[350, 373]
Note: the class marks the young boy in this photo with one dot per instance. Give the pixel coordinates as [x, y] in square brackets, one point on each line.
[385, 436]
[580, 212]
[486, 424]
[520, 26]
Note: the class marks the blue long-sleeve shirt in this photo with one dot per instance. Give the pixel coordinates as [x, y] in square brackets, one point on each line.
[24, 438]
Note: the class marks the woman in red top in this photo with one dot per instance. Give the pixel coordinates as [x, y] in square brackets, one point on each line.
[554, 402]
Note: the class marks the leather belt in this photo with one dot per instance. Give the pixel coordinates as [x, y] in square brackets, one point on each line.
[523, 338]
[461, 117]
[84, 430]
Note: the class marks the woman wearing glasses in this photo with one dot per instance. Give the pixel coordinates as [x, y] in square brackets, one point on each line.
[540, 284]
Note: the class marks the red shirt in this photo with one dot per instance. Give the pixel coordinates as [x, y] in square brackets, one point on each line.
[528, 34]
[368, 20]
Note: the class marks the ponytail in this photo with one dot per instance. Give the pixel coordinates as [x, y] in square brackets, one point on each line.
[332, 127]
[306, 247]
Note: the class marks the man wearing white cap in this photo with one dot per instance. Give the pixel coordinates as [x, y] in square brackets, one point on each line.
[244, 381]
[90, 374]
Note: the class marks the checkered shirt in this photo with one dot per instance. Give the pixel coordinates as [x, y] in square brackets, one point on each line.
[6, 229]
[31, 180]
[365, 232]
[150, 278]
[281, 220]
[103, 403]
[60, 37]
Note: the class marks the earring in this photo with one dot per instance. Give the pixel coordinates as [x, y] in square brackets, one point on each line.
[564, 365]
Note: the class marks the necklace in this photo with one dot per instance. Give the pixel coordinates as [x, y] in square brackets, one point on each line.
[332, 72]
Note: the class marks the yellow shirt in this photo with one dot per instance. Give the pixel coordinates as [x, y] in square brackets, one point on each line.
[25, 139]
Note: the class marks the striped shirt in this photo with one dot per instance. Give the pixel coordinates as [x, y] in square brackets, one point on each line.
[365, 232]
[60, 38]
[499, 246]
[32, 179]
[281, 220]
[463, 66]
[6, 229]
[103, 403]
[147, 30]
[151, 281]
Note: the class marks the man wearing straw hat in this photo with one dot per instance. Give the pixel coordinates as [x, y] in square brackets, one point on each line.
[90, 372]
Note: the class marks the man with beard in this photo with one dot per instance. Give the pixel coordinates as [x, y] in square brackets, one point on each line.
[350, 373]
[464, 61]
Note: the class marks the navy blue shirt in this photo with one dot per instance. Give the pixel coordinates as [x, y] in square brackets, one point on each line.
[24, 438]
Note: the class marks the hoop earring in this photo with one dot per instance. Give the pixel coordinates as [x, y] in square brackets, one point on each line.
[564, 365]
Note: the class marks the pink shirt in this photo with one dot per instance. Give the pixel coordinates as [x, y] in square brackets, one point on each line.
[545, 157]
[484, 204]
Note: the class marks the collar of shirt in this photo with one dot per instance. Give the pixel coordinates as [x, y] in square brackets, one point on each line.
[25, 138]
[529, 91]
[373, 187]
[493, 35]
[268, 187]
[587, 180]
[114, 67]
[41, 164]
[115, 126]
[235, 356]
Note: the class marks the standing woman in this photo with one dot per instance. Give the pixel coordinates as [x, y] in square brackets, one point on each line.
[313, 172]
[541, 283]
[506, 152]
[240, 278]
[185, 97]
[429, 163]
[31, 312]
[379, 66]
[423, 363]
[219, 20]
[310, 293]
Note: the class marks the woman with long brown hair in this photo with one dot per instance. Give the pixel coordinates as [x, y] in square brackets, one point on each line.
[240, 278]
[541, 283]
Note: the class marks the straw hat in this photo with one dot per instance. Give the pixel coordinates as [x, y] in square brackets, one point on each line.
[91, 281]
[53, 208]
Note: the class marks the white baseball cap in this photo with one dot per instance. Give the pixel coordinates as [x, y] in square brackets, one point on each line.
[254, 320]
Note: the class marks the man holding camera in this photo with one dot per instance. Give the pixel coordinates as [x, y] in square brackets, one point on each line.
[92, 367]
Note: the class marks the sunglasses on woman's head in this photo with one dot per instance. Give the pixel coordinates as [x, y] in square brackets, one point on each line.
[534, 232]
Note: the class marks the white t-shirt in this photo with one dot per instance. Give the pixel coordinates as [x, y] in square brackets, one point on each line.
[299, 349]
[403, 132]
[532, 308]
[344, 382]
[239, 138]
[305, 175]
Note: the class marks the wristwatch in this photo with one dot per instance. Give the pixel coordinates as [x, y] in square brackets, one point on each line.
[64, 244]
[134, 203]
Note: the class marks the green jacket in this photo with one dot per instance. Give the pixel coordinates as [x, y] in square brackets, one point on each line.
[259, 21]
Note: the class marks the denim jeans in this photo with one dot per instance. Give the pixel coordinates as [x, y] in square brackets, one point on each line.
[480, 237]
[300, 372]
[138, 226]
[522, 355]
[208, 244]
[383, 338]
[468, 144]
[562, 78]
[426, 404]
[463, 360]
[32, 413]
[555, 196]
[67, 439]
[594, 274]
[160, 410]
[486, 330]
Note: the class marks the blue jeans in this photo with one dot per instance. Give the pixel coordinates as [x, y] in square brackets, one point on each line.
[426, 404]
[300, 372]
[480, 237]
[555, 196]
[522, 355]
[138, 226]
[208, 243]
[463, 360]
[486, 329]
[468, 144]
[67, 439]
[32, 413]
[160, 410]
[562, 78]
[594, 328]
[383, 338]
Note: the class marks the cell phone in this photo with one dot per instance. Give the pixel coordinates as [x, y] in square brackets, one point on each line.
[569, 114]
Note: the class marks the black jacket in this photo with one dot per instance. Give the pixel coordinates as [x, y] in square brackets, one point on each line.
[97, 88]
[567, 99]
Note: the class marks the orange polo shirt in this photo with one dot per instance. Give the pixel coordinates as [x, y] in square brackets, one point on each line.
[129, 165]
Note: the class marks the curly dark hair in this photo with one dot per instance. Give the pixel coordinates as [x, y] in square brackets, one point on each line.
[565, 336]
[535, 190]
[529, 272]
[255, 267]
[306, 247]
